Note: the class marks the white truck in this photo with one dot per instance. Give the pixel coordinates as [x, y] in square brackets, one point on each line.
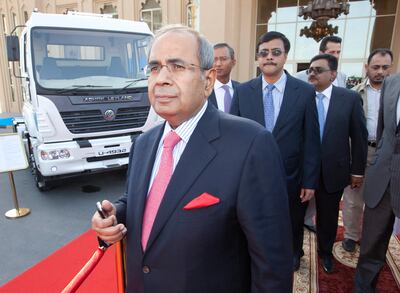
[85, 92]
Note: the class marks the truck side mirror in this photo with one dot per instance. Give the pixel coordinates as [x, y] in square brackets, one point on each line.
[12, 48]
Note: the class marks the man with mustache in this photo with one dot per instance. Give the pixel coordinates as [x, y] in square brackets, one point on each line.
[286, 107]
[206, 207]
[376, 69]
[224, 87]
[343, 137]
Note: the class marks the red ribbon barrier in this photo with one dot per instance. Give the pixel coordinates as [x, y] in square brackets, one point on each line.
[77, 281]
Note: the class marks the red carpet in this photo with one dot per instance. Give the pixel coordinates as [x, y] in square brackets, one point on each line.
[54, 272]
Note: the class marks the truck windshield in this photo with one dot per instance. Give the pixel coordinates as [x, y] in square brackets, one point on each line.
[67, 60]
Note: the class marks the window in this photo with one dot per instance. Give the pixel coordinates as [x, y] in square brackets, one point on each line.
[375, 17]
[152, 15]
[76, 52]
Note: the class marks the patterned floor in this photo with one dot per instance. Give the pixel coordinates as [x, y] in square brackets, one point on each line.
[306, 278]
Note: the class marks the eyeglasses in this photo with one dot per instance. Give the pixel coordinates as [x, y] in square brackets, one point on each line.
[317, 70]
[276, 52]
[174, 67]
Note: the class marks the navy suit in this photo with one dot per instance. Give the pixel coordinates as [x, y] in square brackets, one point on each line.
[344, 153]
[213, 99]
[297, 133]
[241, 244]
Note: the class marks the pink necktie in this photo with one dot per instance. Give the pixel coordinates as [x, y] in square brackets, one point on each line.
[159, 186]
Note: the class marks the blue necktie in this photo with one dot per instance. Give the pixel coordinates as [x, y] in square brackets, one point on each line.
[321, 114]
[227, 98]
[269, 114]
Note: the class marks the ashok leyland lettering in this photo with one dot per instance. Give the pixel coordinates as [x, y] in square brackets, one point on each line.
[85, 92]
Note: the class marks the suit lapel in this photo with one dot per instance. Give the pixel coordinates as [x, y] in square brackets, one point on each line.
[255, 100]
[335, 105]
[288, 103]
[394, 99]
[145, 167]
[196, 156]
[213, 99]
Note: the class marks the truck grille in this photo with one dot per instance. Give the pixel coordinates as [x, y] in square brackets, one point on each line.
[87, 121]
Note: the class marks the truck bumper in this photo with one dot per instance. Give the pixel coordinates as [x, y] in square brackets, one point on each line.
[92, 155]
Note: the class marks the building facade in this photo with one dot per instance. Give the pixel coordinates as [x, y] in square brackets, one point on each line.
[370, 24]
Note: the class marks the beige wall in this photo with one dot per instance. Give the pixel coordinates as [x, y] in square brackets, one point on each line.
[231, 21]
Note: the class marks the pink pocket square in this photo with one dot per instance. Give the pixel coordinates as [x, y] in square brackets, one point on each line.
[202, 201]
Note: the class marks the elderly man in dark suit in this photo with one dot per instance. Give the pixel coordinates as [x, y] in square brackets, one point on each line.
[344, 139]
[285, 106]
[206, 206]
[224, 86]
[382, 189]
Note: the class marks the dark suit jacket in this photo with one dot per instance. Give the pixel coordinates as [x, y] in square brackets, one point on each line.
[296, 130]
[385, 166]
[242, 244]
[344, 141]
[213, 99]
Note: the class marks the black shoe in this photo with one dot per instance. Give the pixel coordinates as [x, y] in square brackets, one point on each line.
[349, 245]
[296, 263]
[311, 228]
[327, 264]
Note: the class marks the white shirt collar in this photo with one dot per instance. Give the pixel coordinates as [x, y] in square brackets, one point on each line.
[327, 92]
[368, 84]
[219, 84]
[186, 129]
[279, 85]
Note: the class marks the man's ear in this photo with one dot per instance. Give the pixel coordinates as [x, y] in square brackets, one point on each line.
[210, 76]
[333, 75]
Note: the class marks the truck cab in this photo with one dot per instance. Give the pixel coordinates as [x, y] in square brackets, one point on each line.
[85, 92]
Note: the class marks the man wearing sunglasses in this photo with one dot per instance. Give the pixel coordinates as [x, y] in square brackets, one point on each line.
[377, 68]
[343, 135]
[285, 106]
[224, 61]
[331, 45]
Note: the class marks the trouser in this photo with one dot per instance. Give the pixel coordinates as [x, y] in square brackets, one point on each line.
[297, 212]
[353, 206]
[377, 229]
[327, 205]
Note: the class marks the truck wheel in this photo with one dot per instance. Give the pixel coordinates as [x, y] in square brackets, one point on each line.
[41, 183]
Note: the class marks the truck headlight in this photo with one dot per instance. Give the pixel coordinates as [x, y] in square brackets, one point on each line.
[55, 155]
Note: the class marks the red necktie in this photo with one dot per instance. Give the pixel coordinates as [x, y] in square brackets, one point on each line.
[159, 185]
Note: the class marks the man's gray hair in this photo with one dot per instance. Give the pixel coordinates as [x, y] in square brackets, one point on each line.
[205, 51]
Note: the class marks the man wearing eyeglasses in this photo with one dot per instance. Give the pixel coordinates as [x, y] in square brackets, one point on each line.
[224, 87]
[376, 69]
[343, 137]
[206, 207]
[285, 106]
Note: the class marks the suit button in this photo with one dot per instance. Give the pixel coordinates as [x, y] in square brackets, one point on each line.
[146, 269]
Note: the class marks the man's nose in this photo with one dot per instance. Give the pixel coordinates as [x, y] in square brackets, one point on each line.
[164, 76]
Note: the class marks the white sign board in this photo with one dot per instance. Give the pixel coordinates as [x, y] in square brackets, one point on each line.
[12, 153]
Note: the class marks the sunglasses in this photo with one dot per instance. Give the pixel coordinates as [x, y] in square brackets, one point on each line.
[317, 70]
[276, 52]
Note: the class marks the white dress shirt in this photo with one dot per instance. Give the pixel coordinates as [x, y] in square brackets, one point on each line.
[398, 110]
[373, 96]
[220, 93]
[327, 93]
[277, 93]
[184, 131]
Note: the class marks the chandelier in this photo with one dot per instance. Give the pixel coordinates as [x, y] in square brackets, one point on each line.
[321, 11]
